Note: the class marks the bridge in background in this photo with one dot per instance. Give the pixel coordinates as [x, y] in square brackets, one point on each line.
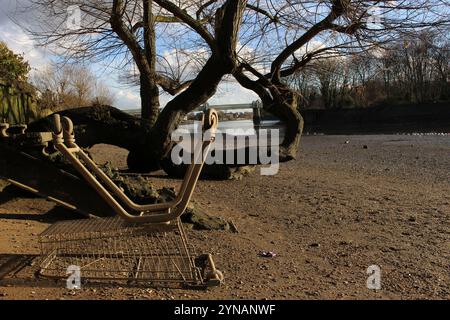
[256, 106]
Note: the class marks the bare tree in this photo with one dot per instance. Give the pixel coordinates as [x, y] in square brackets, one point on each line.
[411, 70]
[288, 36]
[83, 83]
[415, 69]
[121, 33]
[259, 42]
[126, 31]
[102, 95]
[68, 87]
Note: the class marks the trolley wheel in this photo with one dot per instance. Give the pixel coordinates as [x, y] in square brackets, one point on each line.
[214, 278]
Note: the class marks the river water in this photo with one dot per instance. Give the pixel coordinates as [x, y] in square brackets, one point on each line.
[241, 133]
[237, 127]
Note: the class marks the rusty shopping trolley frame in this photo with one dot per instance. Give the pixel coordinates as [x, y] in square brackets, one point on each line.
[142, 243]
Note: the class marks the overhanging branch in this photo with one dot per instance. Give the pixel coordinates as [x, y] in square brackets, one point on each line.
[337, 10]
[191, 22]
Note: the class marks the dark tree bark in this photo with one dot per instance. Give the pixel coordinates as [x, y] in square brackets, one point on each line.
[149, 87]
[149, 93]
[145, 58]
[282, 102]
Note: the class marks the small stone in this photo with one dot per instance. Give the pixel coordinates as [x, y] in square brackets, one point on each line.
[314, 245]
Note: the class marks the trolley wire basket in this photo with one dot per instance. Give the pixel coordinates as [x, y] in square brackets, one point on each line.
[116, 250]
[144, 243]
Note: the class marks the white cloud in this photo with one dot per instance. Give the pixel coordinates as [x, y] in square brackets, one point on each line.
[126, 99]
[19, 42]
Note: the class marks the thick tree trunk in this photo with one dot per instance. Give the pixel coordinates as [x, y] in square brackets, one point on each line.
[149, 88]
[222, 61]
[159, 141]
[145, 58]
[282, 102]
[149, 99]
[287, 111]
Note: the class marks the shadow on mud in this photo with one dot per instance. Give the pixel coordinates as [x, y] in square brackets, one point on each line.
[54, 215]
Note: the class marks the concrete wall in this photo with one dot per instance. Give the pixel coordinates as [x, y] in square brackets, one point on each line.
[384, 119]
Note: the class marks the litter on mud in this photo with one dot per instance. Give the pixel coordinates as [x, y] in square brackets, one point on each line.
[267, 254]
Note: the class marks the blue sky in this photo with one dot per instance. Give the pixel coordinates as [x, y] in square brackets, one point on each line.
[125, 97]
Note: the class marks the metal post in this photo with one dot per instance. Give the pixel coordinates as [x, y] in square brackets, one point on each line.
[256, 106]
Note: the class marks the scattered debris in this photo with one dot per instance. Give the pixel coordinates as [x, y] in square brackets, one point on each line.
[210, 172]
[267, 254]
[225, 172]
[240, 172]
[233, 227]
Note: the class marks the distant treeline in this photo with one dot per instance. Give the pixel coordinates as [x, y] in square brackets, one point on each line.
[411, 71]
[69, 86]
